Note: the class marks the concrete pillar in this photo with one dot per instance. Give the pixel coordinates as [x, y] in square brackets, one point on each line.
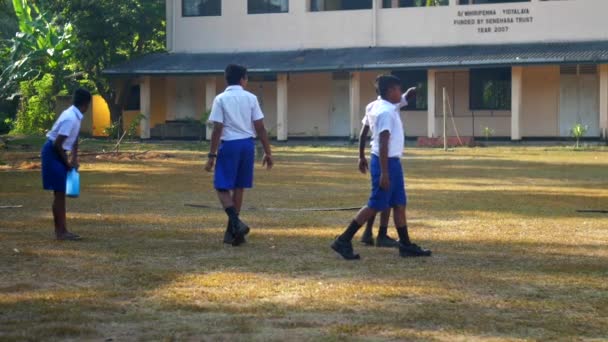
[604, 100]
[145, 98]
[210, 93]
[170, 10]
[282, 107]
[516, 101]
[355, 104]
[431, 92]
[453, 2]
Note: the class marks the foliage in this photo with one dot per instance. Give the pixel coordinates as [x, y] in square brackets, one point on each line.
[6, 123]
[36, 114]
[8, 21]
[578, 131]
[110, 32]
[133, 129]
[113, 130]
[488, 132]
[42, 46]
[431, 3]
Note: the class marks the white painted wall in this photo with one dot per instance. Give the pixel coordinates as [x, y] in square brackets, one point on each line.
[235, 30]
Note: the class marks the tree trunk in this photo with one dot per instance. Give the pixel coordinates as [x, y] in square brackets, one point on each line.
[116, 98]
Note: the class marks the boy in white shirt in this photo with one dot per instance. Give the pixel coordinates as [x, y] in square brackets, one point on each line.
[236, 118]
[382, 240]
[63, 138]
[388, 186]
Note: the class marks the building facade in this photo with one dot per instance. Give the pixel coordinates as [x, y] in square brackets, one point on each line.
[521, 69]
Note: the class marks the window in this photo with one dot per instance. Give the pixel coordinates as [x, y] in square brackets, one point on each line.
[413, 3]
[133, 99]
[339, 5]
[201, 8]
[490, 89]
[267, 6]
[418, 79]
[478, 2]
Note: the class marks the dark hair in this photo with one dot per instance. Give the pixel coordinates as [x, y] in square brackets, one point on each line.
[81, 97]
[235, 73]
[385, 82]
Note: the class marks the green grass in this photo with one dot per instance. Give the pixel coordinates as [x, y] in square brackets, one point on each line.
[513, 260]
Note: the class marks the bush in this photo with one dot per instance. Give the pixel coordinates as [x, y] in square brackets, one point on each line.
[37, 112]
[578, 131]
[6, 123]
[113, 130]
[133, 129]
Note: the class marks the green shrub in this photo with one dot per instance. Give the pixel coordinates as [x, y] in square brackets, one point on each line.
[37, 111]
[578, 131]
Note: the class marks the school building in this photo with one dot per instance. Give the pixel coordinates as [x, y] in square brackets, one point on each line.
[521, 68]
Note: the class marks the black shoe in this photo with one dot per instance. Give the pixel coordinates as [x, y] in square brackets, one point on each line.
[345, 249]
[239, 231]
[228, 236]
[239, 241]
[67, 236]
[367, 239]
[413, 250]
[386, 242]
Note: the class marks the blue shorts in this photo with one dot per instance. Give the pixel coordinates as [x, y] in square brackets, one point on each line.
[234, 165]
[379, 199]
[54, 172]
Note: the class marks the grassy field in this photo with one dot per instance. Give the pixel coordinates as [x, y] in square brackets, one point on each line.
[513, 259]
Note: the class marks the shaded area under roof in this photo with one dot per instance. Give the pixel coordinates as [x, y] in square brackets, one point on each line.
[366, 58]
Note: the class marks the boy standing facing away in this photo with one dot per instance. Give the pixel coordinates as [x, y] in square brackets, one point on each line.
[237, 117]
[63, 138]
[382, 240]
[388, 187]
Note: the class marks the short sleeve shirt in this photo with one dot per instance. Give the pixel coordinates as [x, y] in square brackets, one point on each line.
[237, 109]
[68, 124]
[384, 117]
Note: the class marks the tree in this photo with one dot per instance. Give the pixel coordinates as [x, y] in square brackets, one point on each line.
[110, 32]
[42, 46]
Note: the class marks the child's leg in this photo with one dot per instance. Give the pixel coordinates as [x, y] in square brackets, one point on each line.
[237, 199]
[384, 219]
[401, 224]
[225, 198]
[383, 239]
[59, 213]
[368, 234]
[363, 216]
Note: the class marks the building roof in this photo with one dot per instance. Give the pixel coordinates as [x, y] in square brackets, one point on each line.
[347, 59]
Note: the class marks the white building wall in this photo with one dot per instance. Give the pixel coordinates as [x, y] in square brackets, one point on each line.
[235, 30]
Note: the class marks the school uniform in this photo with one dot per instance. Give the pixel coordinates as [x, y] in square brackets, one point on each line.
[382, 116]
[236, 109]
[54, 171]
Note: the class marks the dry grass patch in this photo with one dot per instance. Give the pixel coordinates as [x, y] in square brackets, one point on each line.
[514, 261]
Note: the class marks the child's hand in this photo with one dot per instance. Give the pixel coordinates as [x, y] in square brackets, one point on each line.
[210, 164]
[267, 161]
[363, 166]
[410, 94]
[385, 182]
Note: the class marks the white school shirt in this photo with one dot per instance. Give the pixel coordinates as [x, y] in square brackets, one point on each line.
[402, 104]
[236, 109]
[382, 117]
[68, 124]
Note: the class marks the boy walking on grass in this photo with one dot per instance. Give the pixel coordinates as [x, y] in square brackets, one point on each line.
[236, 118]
[63, 138]
[388, 187]
[383, 240]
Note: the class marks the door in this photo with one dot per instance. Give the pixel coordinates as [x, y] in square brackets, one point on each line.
[339, 116]
[185, 99]
[579, 100]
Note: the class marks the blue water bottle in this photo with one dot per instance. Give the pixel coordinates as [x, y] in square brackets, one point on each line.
[72, 188]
